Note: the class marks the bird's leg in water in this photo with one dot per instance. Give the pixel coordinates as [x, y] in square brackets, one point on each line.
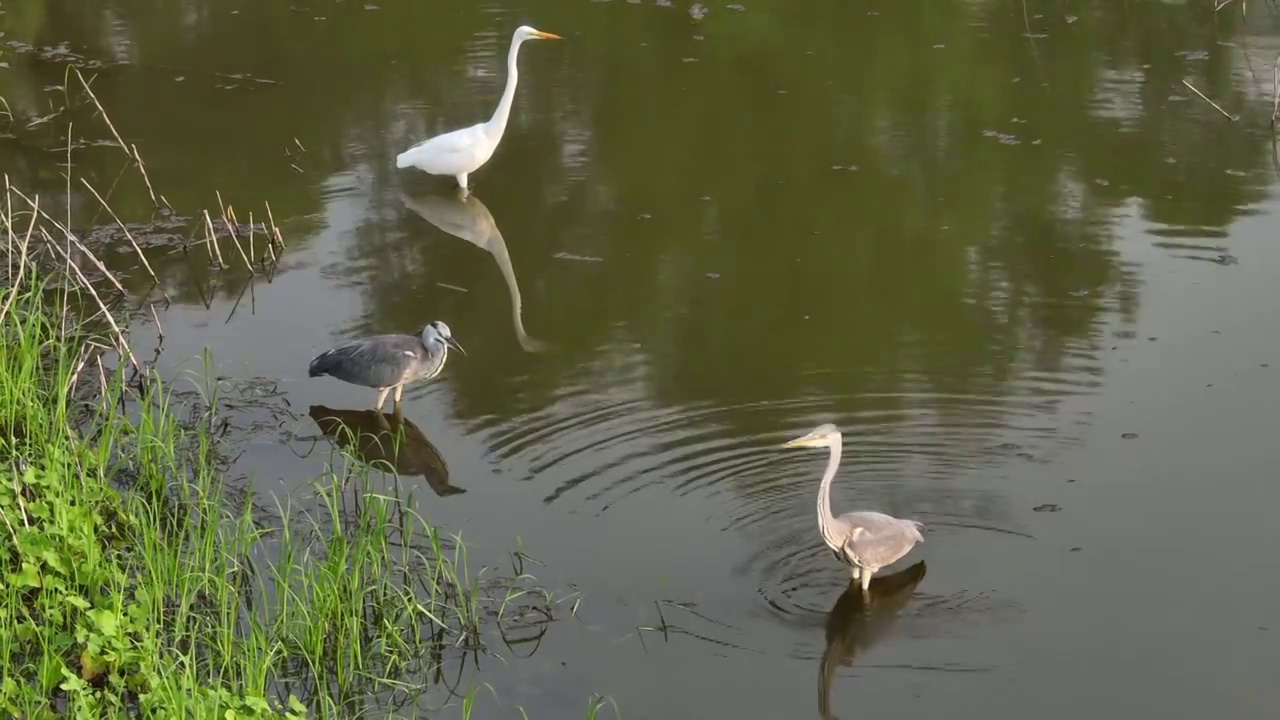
[866, 579]
[462, 182]
[854, 570]
[396, 400]
[382, 398]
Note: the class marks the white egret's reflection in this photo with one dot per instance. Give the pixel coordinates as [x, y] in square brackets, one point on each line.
[861, 619]
[464, 216]
[380, 440]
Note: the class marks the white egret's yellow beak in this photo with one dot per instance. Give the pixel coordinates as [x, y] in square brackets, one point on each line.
[546, 35]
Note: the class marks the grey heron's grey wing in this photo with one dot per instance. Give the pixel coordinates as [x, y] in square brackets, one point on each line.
[875, 539]
[377, 362]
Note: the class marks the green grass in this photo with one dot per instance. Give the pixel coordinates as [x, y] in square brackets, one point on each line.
[134, 582]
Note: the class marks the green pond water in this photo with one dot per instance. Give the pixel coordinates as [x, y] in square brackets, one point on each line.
[1030, 274]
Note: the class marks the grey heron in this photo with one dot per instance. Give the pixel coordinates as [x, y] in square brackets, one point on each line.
[859, 620]
[387, 362]
[463, 216]
[380, 439]
[866, 541]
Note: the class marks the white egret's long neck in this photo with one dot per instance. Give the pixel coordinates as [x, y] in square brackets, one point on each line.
[827, 519]
[498, 123]
[498, 248]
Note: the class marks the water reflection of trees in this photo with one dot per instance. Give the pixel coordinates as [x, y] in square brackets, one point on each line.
[972, 242]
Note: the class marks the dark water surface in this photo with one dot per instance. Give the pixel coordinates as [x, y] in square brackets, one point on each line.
[1029, 273]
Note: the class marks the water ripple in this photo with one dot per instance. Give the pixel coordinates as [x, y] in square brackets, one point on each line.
[922, 453]
[595, 452]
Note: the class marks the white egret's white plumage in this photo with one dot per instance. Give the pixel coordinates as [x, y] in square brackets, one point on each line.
[463, 151]
[866, 541]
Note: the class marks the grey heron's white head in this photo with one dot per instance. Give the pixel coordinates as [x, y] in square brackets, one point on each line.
[524, 32]
[437, 332]
[824, 435]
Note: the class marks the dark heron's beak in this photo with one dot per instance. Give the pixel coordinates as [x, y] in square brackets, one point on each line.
[454, 344]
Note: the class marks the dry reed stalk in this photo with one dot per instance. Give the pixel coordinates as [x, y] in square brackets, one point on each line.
[232, 222]
[240, 249]
[1275, 91]
[244, 257]
[1228, 115]
[8, 223]
[102, 374]
[212, 239]
[142, 167]
[83, 359]
[159, 327]
[132, 153]
[275, 230]
[69, 126]
[134, 243]
[71, 238]
[15, 283]
[271, 251]
[22, 505]
[222, 207]
[250, 233]
[122, 345]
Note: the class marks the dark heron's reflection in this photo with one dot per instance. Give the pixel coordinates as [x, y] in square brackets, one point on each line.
[381, 440]
[857, 622]
[464, 216]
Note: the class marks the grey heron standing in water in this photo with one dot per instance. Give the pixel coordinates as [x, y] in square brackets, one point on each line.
[865, 541]
[387, 362]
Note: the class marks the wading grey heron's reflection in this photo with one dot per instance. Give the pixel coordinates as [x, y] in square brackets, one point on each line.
[464, 216]
[381, 440]
[859, 620]
[866, 540]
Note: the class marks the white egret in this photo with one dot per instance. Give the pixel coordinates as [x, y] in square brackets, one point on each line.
[461, 152]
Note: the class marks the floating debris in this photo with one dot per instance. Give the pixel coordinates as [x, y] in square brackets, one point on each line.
[1003, 138]
[580, 258]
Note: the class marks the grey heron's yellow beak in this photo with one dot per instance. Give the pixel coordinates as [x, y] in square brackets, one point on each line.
[454, 344]
[803, 441]
[546, 35]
